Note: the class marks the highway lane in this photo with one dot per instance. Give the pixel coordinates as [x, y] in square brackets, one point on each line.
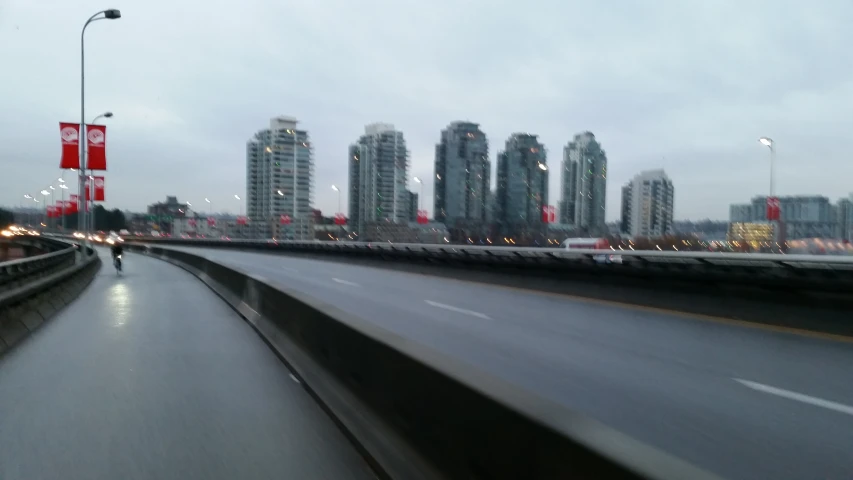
[744, 403]
[151, 376]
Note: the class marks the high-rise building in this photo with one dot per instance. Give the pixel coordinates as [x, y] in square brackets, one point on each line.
[462, 176]
[584, 185]
[378, 175]
[647, 205]
[279, 180]
[844, 219]
[522, 188]
[413, 207]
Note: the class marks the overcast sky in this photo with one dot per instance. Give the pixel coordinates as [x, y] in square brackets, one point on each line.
[686, 85]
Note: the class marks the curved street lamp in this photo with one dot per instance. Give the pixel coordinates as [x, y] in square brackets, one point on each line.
[110, 14]
[769, 143]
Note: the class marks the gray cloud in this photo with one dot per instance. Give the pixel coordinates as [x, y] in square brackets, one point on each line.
[684, 85]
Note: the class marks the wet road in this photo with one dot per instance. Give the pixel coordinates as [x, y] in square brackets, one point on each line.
[151, 376]
[743, 403]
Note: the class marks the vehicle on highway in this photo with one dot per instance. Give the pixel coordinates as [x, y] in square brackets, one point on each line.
[593, 244]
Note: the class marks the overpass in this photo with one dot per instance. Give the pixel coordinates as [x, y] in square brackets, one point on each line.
[154, 372]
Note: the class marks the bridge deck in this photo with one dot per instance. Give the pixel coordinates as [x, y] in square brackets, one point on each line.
[150, 375]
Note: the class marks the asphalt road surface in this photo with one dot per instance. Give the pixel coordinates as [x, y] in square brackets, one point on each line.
[741, 402]
[151, 376]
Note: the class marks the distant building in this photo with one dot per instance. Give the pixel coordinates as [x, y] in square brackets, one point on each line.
[583, 185]
[163, 214]
[522, 188]
[648, 204]
[805, 216]
[752, 235]
[462, 176]
[279, 180]
[844, 219]
[378, 175]
[413, 207]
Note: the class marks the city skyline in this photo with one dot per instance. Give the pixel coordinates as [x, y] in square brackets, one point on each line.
[649, 99]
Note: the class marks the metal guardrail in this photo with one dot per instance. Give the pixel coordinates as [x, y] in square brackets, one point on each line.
[15, 273]
[830, 273]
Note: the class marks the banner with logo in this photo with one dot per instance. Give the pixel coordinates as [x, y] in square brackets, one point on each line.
[284, 220]
[51, 211]
[242, 220]
[96, 136]
[423, 217]
[100, 194]
[773, 208]
[68, 207]
[59, 208]
[549, 213]
[211, 222]
[69, 134]
[340, 219]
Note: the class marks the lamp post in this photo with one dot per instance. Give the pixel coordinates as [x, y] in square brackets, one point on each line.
[45, 193]
[92, 177]
[111, 14]
[421, 194]
[769, 143]
[29, 215]
[335, 188]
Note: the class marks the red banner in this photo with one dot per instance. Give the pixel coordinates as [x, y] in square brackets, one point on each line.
[96, 136]
[192, 222]
[423, 218]
[69, 135]
[773, 208]
[340, 219]
[211, 222]
[68, 208]
[284, 219]
[242, 220]
[100, 195]
[75, 201]
[59, 208]
[549, 213]
[51, 211]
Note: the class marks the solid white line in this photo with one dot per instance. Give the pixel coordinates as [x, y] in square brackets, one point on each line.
[345, 282]
[458, 310]
[818, 402]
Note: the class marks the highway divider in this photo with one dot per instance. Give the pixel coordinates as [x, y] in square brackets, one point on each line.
[801, 292]
[34, 289]
[415, 413]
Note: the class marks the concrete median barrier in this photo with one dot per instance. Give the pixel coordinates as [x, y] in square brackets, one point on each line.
[802, 292]
[416, 413]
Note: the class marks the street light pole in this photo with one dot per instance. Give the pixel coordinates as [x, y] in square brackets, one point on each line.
[335, 188]
[111, 14]
[92, 177]
[769, 143]
[420, 197]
